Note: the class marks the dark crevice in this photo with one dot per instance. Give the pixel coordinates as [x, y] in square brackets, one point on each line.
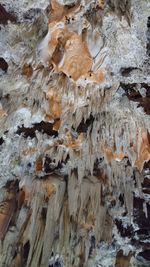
[148, 22]
[93, 245]
[55, 261]
[56, 264]
[126, 71]
[6, 132]
[44, 214]
[127, 231]
[6, 16]
[50, 166]
[146, 191]
[146, 183]
[12, 184]
[84, 125]
[145, 254]
[43, 127]
[121, 199]
[1, 141]
[142, 232]
[134, 95]
[3, 64]
[148, 36]
[139, 215]
[72, 5]
[47, 165]
[26, 249]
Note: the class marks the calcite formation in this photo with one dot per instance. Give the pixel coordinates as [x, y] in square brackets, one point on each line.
[74, 133]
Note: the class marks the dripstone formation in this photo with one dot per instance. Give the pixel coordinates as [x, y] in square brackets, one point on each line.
[74, 133]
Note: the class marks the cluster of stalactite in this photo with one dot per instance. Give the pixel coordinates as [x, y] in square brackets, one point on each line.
[75, 142]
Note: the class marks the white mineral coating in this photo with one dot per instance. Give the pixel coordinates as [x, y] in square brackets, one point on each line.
[75, 143]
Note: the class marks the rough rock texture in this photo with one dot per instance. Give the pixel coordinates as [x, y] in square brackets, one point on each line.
[74, 133]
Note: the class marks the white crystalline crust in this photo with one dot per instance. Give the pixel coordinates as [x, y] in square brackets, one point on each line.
[92, 134]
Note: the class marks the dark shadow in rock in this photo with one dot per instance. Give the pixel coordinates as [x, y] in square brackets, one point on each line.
[134, 95]
[142, 233]
[121, 199]
[93, 245]
[50, 166]
[139, 215]
[84, 125]
[127, 231]
[146, 170]
[145, 254]
[3, 64]
[44, 214]
[146, 184]
[43, 127]
[148, 36]
[1, 141]
[26, 249]
[56, 264]
[6, 16]
[126, 71]
[55, 261]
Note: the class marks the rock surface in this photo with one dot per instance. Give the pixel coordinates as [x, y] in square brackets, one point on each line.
[74, 133]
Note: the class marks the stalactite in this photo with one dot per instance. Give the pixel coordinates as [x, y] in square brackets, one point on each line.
[75, 132]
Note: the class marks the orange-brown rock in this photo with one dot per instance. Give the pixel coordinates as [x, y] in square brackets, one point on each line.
[21, 198]
[77, 59]
[25, 194]
[48, 188]
[29, 151]
[73, 143]
[142, 148]
[69, 53]
[110, 155]
[96, 77]
[101, 175]
[38, 164]
[101, 3]
[57, 12]
[2, 112]
[27, 70]
[56, 125]
[7, 208]
[18, 260]
[122, 260]
[54, 105]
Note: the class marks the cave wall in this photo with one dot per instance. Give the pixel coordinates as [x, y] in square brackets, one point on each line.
[74, 133]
